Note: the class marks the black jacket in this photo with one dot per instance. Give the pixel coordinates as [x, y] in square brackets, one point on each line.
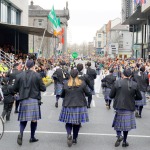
[29, 84]
[91, 75]
[142, 81]
[109, 80]
[60, 75]
[84, 77]
[125, 92]
[75, 96]
[8, 93]
[12, 75]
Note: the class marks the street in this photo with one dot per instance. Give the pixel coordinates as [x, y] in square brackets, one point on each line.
[95, 135]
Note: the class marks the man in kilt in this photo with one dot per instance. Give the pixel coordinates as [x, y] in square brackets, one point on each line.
[142, 80]
[60, 76]
[107, 84]
[91, 73]
[74, 110]
[29, 84]
[124, 92]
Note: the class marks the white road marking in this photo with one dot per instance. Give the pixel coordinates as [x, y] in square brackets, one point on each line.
[92, 134]
[48, 94]
[98, 96]
[44, 93]
[52, 94]
[93, 102]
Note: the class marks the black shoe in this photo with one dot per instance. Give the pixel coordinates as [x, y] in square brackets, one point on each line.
[16, 111]
[69, 140]
[136, 114]
[74, 141]
[56, 104]
[33, 140]
[80, 125]
[125, 144]
[88, 106]
[119, 140]
[19, 139]
[139, 116]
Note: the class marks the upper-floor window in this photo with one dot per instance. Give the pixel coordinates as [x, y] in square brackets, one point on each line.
[8, 13]
[99, 44]
[4, 12]
[13, 16]
[99, 35]
[40, 23]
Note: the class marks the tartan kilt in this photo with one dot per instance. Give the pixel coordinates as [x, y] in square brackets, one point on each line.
[91, 91]
[143, 101]
[58, 88]
[29, 110]
[106, 92]
[74, 115]
[124, 120]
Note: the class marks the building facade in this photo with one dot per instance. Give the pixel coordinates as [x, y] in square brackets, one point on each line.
[101, 41]
[14, 12]
[109, 26]
[120, 42]
[139, 25]
[38, 18]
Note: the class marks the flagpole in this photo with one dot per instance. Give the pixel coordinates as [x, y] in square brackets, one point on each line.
[42, 42]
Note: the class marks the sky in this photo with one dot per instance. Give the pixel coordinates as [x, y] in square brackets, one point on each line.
[86, 16]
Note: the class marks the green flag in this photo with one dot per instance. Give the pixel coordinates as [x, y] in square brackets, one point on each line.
[52, 17]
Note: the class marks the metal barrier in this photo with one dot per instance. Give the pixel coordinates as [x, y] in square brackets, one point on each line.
[9, 60]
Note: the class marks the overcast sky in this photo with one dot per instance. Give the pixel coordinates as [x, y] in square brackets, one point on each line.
[86, 16]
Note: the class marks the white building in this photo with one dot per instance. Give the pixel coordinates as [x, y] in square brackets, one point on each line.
[101, 40]
[120, 41]
[14, 12]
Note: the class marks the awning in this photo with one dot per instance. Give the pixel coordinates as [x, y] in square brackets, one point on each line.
[137, 18]
[132, 20]
[26, 29]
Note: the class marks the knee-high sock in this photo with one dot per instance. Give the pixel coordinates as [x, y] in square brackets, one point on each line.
[118, 133]
[125, 134]
[136, 107]
[89, 99]
[33, 129]
[16, 105]
[22, 126]
[76, 129]
[106, 100]
[68, 128]
[109, 102]
[140, 110]
[57, 98]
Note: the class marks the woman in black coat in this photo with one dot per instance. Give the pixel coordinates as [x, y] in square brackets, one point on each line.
[107, 84]
[74, 110]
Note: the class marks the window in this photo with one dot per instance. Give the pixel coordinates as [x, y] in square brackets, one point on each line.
[121, 44]
[99, 43]
[40, 23]
[99, 35]
[9, 14]
[18, 21]
[13, 16]
[4, 12]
